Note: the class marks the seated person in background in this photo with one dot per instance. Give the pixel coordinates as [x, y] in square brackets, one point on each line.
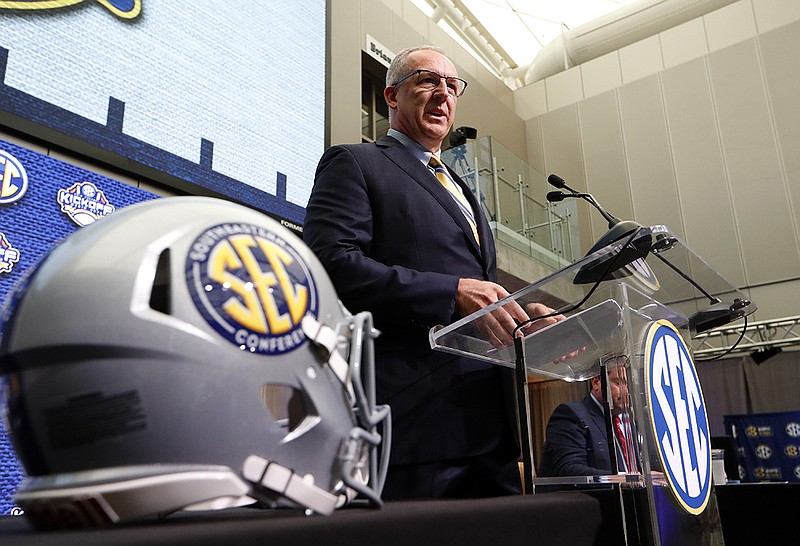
[576, 443]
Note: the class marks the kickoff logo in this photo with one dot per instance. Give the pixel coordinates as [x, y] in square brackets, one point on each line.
[9, 256]
[678, 413]
[251, 286]
[84, 203]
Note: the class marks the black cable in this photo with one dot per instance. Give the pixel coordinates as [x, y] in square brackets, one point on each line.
[572, 307]
[711, 299]
[732, 347]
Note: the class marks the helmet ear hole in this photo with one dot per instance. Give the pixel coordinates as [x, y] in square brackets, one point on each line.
[289, 407]
[161, 293]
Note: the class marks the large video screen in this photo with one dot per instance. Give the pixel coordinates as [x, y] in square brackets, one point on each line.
[227, 97]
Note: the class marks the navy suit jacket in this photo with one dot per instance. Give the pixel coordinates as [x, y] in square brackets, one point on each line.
[395, 243]
[576, 443]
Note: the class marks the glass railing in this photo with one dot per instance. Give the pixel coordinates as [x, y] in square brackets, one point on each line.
[512, 196]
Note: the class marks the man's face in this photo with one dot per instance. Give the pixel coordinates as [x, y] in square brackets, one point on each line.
[618, 382]
[424, 115]
[618, 385]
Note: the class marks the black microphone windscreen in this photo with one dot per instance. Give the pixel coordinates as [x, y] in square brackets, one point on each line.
[555, 196]
[556, 181]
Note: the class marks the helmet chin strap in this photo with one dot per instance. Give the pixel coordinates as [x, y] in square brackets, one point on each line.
[285, 482]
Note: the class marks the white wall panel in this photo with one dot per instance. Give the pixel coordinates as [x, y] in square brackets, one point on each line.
[730, 25]
[641, 59]
[648, 153]
[531, 100]
[412, 15]
[601, 74]
[684, 43]
[707, 215]
[564, 88]
[533, 136]
[560, 133]
[562, 155]
[776, 300]
[779, 52]
[403, 35]
[437, 36]
[376, 20]
[343, 123]
[711, 143]
[752, 160]
[773, 14]
[604, 158]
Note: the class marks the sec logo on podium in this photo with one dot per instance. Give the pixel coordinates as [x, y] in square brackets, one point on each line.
[678, 416]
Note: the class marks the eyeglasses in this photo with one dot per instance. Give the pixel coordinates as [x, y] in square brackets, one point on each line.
[429, 81]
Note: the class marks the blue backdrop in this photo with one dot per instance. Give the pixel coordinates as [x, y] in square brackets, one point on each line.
[767, 445]
[42, 200]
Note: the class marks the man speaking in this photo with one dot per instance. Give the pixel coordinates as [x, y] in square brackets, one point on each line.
[401, 236]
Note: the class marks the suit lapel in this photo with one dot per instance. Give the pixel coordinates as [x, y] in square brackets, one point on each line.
[599, 422]
[598, 419]
[398, 154]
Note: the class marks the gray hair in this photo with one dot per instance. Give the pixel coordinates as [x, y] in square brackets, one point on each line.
[400, 64]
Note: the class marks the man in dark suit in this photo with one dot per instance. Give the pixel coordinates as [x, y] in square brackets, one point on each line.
[576, 442]
[396, 242]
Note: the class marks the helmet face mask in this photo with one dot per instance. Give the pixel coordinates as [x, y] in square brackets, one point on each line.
[188, 352]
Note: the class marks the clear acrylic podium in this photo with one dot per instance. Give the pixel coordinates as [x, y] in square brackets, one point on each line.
[609, 299]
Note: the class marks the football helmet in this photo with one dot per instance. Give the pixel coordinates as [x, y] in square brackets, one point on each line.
[188, 353]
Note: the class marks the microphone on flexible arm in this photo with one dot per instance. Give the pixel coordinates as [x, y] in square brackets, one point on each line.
[617, 229]
[719, 312]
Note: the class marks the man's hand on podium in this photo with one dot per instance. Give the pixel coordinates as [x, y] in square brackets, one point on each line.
[498, 326]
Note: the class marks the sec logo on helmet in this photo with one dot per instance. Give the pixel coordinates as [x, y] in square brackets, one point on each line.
[679, 419]
[251, 286]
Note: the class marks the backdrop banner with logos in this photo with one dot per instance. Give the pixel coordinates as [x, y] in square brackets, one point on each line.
[43, 200]
[767, 445]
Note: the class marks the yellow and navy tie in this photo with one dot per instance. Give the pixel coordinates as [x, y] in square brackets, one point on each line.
[461, 200]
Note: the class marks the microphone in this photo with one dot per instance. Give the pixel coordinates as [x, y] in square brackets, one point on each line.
[557, 182]
[717, 314]
[556, 196]
[617, 229]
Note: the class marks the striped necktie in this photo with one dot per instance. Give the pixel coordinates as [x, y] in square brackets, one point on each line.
[444, 178]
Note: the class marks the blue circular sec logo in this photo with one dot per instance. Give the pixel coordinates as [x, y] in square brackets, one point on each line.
[679, 419]
[251, 286]
[13, 178]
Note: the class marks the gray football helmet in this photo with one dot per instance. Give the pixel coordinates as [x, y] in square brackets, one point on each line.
[188, 353]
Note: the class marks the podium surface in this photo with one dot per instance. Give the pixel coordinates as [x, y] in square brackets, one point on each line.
[638, 301]
[662, 278]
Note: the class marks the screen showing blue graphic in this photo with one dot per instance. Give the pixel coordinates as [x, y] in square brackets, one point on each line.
[34, 216]
[220, 97]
